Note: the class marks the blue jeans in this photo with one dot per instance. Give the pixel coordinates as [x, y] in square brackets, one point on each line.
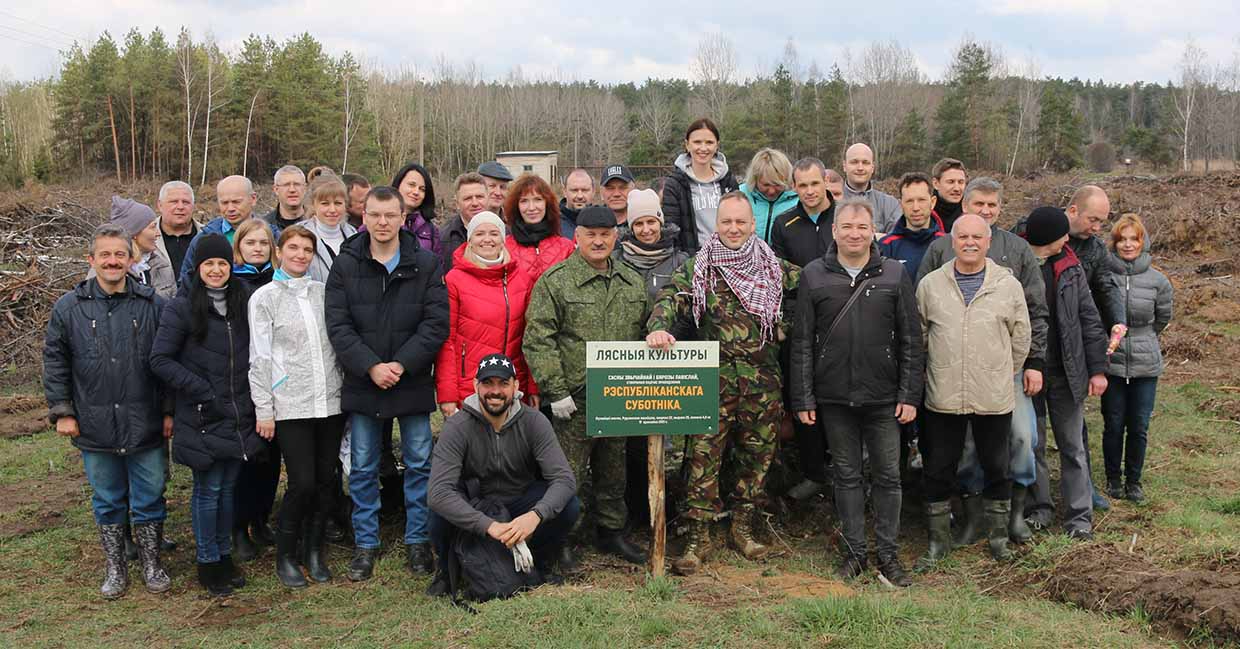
[1022, 467]
[211, 509]
[126, 484]
[1126, 408]
[365, 447]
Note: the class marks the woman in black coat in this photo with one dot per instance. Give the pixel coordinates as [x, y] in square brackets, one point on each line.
[201, 353]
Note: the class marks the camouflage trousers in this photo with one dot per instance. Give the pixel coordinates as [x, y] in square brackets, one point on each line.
[749, 419]
[604, 458]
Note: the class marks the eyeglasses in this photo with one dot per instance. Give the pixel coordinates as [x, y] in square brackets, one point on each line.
[291, 185]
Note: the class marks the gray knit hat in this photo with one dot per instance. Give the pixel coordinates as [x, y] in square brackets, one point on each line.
[131, 216]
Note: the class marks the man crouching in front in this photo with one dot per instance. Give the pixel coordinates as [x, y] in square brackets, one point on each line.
[512, 453]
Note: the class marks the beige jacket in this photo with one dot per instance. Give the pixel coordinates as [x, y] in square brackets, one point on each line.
[973, 352]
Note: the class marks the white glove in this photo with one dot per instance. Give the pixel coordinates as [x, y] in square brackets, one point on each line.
[564, 408]
[522, 560]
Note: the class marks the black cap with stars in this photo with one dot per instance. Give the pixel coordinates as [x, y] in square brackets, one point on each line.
[496, 366]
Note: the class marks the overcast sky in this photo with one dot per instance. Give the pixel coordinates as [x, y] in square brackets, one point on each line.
[1115, 40]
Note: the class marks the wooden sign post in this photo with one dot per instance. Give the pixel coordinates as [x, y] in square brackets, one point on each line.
[633, 390]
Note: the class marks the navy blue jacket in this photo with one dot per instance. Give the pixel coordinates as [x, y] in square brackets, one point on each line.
[209, 379]
[216, 226]
[95, 367]
[909, 246]
[373, 317]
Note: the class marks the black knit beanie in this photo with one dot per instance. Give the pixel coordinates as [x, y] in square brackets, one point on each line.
[1046, 225]
[212, 246]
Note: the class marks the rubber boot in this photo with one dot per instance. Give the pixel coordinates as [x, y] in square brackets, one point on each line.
[972, 528]
[697, 540]
[939, 520]
[230, 573]
[315, 557]
[116, 564]
[613, 542]
[147, 536]
[741, 534]
[998, 513]
[242, 547]
[1018, 529]
[213, 579]
[286, 548]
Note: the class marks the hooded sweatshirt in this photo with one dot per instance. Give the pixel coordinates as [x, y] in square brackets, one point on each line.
[706, 194]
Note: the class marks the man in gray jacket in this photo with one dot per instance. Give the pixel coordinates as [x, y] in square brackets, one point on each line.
[513, 453]
[858, 183]
[983, 196]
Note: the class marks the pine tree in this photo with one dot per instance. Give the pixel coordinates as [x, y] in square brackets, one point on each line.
[1060, 130]
[908, 151]
[963, 115]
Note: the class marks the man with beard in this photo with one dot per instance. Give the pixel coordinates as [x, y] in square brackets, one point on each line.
[512, 451]
[733, 292]
[578, 194]
[949, 178]
[587, 297]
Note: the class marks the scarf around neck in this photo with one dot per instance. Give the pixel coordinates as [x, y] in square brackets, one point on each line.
[752, 272]
[530, 234]
[645, 256]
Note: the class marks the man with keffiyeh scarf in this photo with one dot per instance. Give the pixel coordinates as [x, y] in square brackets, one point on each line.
[732, 291]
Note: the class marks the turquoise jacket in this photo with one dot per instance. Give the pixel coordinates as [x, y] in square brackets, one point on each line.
[765, 210]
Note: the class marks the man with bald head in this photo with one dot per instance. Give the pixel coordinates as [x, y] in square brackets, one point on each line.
[236, 199]
[858, 183]
[578, 194]
[970, 298]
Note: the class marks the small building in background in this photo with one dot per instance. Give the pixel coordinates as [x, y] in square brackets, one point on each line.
[545, 164]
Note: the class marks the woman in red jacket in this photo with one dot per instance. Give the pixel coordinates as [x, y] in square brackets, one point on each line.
[534, 216]
[487, 295]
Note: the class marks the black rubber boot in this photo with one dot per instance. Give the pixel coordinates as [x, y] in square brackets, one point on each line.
[1018, 529]
[315, 556]
[211, 577]
[998, 513]
[972, 528]
[231, 573]
[613, 542]
[243, 548]
[286, 567]
[938, 517]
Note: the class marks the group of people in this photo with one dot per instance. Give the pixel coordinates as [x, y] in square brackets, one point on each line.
[884, 331]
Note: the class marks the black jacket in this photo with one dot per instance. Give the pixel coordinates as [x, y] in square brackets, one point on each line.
[453, 235]
[278, 223]
[678, 205]
[798, 239]
[1092, 254]
[504, 463]
[95, 367]
[1082, 340]
[376, 318]
[209, 380]
[875, 355]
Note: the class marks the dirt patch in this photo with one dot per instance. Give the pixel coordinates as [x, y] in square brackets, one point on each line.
[720, 584]
[1105, 580]
[22, 415]
[223, 612]
[1190, 444]
[28, 507]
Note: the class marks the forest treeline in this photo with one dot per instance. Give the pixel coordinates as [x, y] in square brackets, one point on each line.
[151, 107]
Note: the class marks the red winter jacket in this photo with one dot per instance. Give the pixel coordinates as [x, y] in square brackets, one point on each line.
[486, 316]
[535, 260]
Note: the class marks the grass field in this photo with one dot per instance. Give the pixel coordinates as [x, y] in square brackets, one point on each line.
[50, 573]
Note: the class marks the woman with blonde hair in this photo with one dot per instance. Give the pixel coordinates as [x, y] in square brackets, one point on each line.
[1136, 363]
[253, 247]
[768, 185]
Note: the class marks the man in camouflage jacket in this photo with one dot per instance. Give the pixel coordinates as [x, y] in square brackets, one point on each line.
[585, 298]
[733, 291]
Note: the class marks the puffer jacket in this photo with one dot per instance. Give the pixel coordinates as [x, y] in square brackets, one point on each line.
[765, 210]
[678, 201]
[486, 309]
[374, 317]
[95, 367]
[1013, 253]
[973, 352]
[535, 260]
[1082, 340]
[321, 265]
[1147, 297]
[214, 417]
[293, 370]
[909, 246]
[253, 278]
[875, 355]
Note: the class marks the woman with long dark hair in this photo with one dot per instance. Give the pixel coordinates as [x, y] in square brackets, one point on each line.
[201, 352]
[295, 384]
[413, 182]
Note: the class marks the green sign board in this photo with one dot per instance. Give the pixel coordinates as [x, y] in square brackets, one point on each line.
[632, 389]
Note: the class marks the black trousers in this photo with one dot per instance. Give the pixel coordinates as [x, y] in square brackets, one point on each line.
[943, 441]
[255, 493]
[544, 543]
[311, 450]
